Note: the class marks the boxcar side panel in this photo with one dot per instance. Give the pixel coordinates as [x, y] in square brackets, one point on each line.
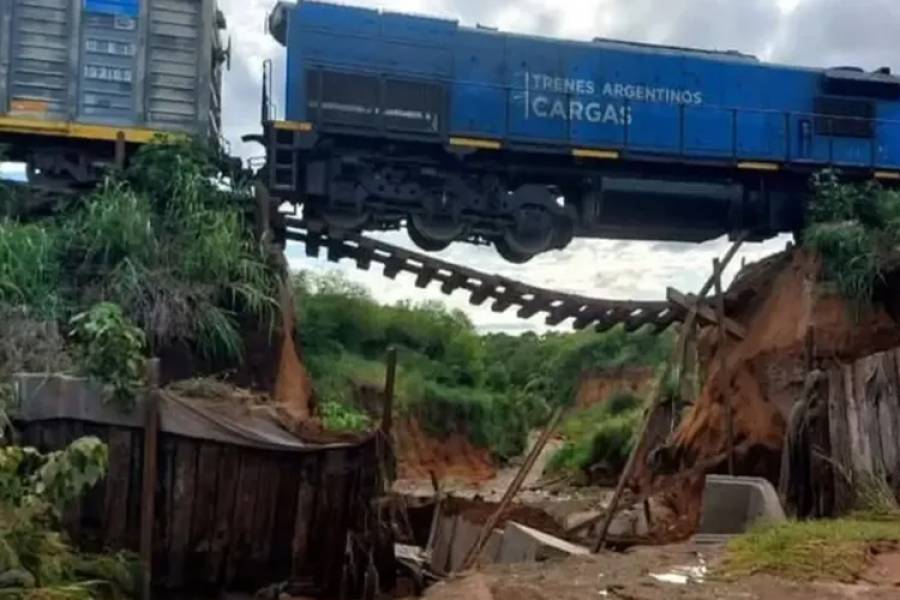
[40, 71]
[5, 44]
[110, 36]
[173, 57]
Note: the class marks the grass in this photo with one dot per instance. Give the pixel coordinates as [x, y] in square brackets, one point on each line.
[836, 550]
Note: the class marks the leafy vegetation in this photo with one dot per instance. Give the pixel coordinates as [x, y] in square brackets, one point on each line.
[855, 228]
[340, 417]
[599, 437]
[111, 350]
[491, 388]
[166, 242]
[35, 561]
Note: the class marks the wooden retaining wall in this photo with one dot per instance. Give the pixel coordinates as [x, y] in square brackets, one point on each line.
[227, 516]
[845, 429]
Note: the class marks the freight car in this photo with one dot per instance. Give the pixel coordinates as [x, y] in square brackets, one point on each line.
[83, 82]
[468, 133]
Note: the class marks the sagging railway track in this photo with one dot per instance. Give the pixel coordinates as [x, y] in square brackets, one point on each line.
[502, 292]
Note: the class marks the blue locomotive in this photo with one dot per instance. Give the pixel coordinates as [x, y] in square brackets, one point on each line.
[468, 133]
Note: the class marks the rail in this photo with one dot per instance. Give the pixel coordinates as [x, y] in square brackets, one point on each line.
[504, 293]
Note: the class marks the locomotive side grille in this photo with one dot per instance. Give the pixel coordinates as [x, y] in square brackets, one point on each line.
[368, 101]
[844, 117]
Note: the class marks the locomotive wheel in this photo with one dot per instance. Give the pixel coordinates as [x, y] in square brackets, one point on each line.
[531, 233]
[509, 254]
[433, 233]
[423, 241]
[344, 220]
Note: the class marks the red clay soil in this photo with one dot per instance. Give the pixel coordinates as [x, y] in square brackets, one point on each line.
[598, 385]
[293, 385]
[780, 301]
[452, 457]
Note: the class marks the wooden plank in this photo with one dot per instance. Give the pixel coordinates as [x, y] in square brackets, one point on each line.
[307, 488]
[724, 374]
[165, 483]
[117, 489]
[135, 487]
[290, 467]
[183, 494]
[226, 490]
[887, 415]
[203, 520]
[329, 528]
[856, 418]
[705, 314]
[893, 408]
[487, 528]
[242, 518]
[877, 391]
[390, 376]
[148, 492]
[264, 514]
[838, 436]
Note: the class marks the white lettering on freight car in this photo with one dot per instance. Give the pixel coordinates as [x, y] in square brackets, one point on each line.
[575, 99]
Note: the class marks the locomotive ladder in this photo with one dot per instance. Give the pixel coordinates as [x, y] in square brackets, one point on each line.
[503, 292]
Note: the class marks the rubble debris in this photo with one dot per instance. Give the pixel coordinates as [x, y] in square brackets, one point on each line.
[524, 544]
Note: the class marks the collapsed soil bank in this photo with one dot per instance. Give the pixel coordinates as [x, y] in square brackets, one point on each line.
[779, 301]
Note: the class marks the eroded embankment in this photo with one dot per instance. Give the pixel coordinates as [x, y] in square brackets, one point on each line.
[780, 302]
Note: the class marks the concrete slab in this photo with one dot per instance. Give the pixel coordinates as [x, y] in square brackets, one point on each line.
[524, 544]
[443, 542]
[464, 537]
[731, 505]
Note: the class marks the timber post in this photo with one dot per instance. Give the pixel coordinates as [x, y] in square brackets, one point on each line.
[678, 357]
[390, 377]
[724, 376]
[478, 547]
[148, 485]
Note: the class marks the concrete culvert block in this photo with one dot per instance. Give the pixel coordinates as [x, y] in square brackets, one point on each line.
[731, 505]
[524, 544]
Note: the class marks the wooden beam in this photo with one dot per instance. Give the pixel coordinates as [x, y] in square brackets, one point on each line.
[705, 314]
[677, 359]
[387, 416]
[724, 373]
[475, 552]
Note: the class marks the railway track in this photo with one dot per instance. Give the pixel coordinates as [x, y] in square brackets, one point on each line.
[502, 293]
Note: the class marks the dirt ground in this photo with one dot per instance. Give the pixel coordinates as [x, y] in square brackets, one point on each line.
[647, 573]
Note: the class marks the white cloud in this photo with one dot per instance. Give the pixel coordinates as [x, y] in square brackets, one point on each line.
[814, 32]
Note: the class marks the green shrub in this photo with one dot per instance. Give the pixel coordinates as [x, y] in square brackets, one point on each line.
[340, 417]
[599, 436]
[111, 349]
[30, 271]
[855, 228]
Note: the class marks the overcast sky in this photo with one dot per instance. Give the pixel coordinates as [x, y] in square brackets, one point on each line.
[808, 32]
